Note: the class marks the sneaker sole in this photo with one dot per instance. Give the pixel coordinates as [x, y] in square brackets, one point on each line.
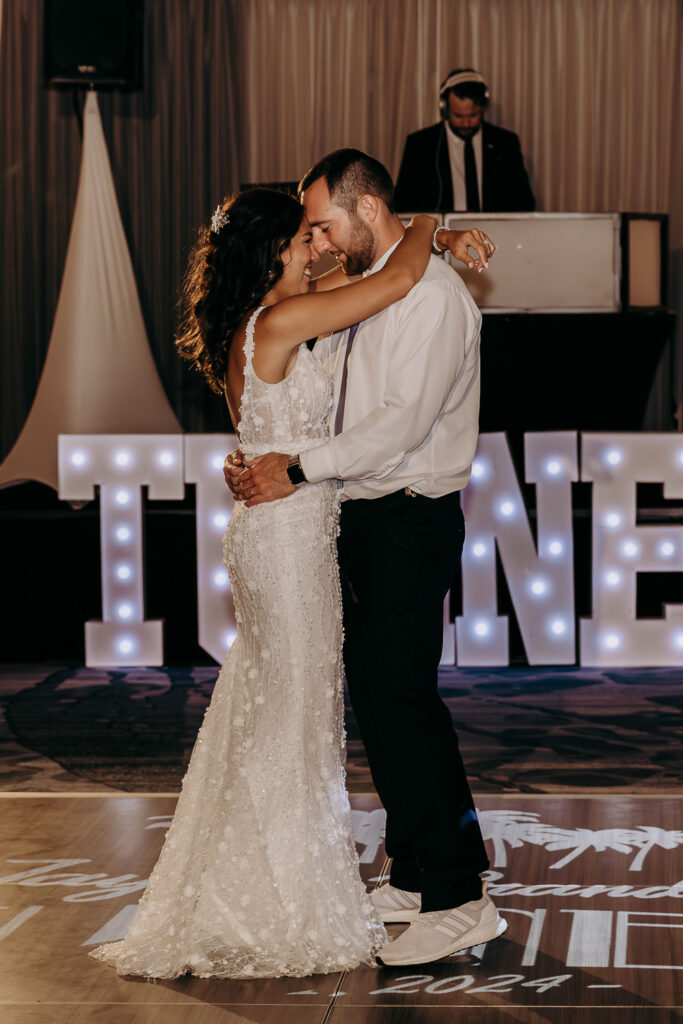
[476, 937]
[398, 916]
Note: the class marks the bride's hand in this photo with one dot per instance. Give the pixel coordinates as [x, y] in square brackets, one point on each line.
[458, 243]
[233, 468]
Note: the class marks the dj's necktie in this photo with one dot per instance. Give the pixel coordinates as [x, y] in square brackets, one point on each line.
[471, 186]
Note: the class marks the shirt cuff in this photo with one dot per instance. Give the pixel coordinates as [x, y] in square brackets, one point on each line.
[317, 464]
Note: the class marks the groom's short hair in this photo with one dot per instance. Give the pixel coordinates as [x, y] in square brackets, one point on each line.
[350, 174]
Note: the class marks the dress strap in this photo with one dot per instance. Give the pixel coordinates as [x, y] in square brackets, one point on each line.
[248, 348]
[247, 384]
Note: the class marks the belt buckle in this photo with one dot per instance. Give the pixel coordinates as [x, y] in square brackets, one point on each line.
[409, 492]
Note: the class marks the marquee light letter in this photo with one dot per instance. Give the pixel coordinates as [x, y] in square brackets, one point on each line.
[614, 463]
[121, 465]
[540, 581]
[204, 455]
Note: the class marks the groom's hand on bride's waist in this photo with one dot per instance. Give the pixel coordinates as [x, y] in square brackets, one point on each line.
[259, 480]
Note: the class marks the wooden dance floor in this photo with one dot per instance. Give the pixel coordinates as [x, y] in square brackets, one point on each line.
[591, 888]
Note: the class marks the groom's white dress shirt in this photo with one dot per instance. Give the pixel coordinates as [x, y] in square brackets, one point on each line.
[412, 401]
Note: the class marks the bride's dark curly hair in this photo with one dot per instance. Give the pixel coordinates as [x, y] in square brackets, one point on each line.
[229, 272]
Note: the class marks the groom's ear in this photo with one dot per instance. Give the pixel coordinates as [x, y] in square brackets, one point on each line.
[367, 208]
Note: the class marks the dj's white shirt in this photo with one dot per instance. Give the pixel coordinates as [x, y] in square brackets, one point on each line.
[412, 401]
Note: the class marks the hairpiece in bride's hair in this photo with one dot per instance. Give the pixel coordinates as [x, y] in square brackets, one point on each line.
[219, 219]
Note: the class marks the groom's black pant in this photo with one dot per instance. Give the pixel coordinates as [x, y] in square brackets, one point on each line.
[397, 556]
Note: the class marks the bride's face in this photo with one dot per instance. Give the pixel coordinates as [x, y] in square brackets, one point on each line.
[297, 259]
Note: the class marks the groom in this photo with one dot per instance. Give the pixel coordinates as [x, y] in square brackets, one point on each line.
[405, 423]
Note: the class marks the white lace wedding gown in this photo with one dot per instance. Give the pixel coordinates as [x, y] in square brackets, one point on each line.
[259, 875]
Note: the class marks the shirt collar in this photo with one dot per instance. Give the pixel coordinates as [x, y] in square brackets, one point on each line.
[383, 259]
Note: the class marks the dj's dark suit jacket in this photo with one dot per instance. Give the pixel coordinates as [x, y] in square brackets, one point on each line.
[424, 181]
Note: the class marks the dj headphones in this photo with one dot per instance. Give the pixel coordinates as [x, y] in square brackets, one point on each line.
[459, 77]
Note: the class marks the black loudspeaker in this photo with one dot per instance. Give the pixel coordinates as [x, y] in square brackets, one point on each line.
[93, 42]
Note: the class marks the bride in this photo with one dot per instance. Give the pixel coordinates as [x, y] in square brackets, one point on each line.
[258, 876]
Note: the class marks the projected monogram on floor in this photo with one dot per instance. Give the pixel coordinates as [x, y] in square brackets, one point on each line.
[592, 937]
[517, 828]
[539, 573]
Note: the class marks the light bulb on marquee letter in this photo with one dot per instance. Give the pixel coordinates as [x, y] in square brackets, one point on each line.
[121, 465]
[540, 582]
[615, 463]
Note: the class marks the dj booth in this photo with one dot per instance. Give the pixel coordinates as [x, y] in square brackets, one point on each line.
[574, 318]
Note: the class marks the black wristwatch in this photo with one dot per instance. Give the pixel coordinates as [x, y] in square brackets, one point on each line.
[295, 471]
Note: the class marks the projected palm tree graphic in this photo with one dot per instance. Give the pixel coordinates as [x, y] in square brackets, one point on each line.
[516, 828]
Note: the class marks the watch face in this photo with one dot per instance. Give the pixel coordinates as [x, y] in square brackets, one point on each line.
[296, 474]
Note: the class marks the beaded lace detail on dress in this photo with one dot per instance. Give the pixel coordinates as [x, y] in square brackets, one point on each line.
[259, 875]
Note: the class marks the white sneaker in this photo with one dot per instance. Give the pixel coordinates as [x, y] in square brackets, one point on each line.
[394, 904]
[437, 934]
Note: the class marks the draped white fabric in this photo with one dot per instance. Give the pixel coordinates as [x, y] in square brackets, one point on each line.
[593, 88]
[99, 376]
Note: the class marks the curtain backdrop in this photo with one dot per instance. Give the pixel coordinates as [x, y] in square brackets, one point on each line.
[591, 86]
[257, 90]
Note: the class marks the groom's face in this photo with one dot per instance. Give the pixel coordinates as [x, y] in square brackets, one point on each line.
[345, 236]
